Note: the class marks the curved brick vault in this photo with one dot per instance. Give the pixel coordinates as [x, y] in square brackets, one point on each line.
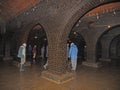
[58, 26]
[57, 18]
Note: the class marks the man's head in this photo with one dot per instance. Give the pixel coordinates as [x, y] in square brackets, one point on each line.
[24, 44]
[71, 43]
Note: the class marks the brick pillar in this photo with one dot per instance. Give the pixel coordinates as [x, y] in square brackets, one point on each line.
[57, 58]
[57, 66]
[105, 42]
[91, 53]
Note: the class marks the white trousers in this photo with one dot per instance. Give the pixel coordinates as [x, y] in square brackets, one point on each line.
[74, 64]
[22, 64]
[45, 66]
[22, 61]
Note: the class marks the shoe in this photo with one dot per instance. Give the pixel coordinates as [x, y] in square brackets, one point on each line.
[44, 67]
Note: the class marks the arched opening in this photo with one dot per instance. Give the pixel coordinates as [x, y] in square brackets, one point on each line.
[88, 27]
[114, 51]
[78, 39]
[98, 50]
[108, 46]
[84, 6]
[99, 46]
[37, 45]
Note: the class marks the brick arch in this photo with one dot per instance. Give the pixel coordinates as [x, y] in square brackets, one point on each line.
[78, 13]
[37, 26]
[106, 31]
[28, 28]
[106, 50]
[58, 39]
[113, 48]
[37, 30]
[85, 7]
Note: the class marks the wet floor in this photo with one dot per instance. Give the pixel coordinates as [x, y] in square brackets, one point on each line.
[105, 78]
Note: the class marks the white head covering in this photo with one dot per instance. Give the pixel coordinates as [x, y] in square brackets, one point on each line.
[71, 43]
[24, 44]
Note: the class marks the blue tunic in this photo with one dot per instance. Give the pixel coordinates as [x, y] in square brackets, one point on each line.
[73, 52]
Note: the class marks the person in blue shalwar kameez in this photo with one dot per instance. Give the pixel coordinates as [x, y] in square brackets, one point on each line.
[73, 51]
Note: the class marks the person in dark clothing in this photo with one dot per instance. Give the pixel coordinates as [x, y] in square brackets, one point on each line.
[29, 50]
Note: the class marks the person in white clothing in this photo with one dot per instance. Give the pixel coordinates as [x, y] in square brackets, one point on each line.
[22, 56]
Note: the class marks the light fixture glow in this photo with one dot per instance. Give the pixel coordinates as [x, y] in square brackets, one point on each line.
[108, 26]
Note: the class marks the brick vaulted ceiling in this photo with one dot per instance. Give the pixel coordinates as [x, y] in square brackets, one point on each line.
[107, 7]
[11, 8]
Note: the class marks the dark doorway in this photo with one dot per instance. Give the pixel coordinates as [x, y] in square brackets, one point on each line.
[36, 40]
[77, 38]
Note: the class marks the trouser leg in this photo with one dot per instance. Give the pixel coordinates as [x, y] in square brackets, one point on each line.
[45, 66]
[74, 64]
[21, 67]
[22, 64]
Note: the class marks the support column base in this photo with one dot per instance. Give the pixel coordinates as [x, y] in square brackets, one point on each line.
[92, 64]
[105, 59]
[59, 79]
[7, 58]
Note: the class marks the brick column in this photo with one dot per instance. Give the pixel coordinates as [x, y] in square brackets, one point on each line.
[91, 51]
[57, 66]
[105, 42]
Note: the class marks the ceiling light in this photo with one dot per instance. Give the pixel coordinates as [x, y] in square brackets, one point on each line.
[108, 26]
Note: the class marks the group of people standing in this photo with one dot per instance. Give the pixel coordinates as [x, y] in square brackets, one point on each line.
[31, 53]
[72, 52]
